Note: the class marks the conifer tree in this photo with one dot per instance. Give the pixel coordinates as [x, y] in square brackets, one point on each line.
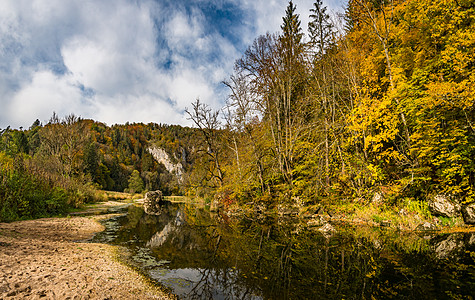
[320, 28]
[291, 30]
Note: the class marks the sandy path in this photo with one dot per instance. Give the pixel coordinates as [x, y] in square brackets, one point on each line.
[41, 259]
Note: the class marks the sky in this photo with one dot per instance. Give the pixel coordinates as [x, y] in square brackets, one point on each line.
[118, 61]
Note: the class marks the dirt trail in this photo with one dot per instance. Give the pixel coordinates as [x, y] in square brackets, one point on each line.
[42, 259]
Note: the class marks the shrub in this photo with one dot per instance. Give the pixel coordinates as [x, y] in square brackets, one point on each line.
[25, 195]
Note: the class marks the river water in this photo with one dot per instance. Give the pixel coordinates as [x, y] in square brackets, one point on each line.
[199, 255]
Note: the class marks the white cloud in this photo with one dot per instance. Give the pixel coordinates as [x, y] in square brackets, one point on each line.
[268, 14]
[137, 109]
[121, 60]
[45, 93]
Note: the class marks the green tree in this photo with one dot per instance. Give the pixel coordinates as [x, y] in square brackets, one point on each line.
[34, 137]
[135, 183]
[286, 108]
[20, 141]
[91, 160]
[292, 32]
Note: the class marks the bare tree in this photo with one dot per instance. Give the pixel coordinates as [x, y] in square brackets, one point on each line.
[242, 111]
[208, 123]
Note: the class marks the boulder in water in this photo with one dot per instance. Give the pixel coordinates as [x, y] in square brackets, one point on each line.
[152, 202]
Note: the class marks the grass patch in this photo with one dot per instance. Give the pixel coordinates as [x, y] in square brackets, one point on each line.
[405, 215]
[416, 206]
[118, 196]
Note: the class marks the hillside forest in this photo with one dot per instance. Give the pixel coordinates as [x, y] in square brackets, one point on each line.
[378, 100]
[48, 169]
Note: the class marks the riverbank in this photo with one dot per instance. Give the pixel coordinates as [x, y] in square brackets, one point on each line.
[51, 258]
[405, 219]
[200, 254]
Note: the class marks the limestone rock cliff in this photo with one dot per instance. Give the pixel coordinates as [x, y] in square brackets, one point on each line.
[162, 156]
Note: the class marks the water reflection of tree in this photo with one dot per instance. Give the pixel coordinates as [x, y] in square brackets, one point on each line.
[281, 264]
[222, 282]
[309, 265]
[240, 259]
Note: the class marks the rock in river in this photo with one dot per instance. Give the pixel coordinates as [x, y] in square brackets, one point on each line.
[152, 202]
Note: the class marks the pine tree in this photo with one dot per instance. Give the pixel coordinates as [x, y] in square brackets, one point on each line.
[320, 28]
[292, 34]
[91, 160]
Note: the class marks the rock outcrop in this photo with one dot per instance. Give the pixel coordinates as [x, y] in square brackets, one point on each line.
[441, 205]
[426, 227]
[468, 214]
[162, 157]
[152, 202]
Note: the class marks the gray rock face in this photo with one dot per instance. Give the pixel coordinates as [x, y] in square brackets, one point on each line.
[441, 205]
[152, 202]
[468, 214]
[162, 156]
[426, 227]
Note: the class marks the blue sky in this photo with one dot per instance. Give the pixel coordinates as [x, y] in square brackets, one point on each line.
[118, 61]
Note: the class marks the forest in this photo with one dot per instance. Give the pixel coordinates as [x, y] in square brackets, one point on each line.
[378, 100]
[48, 169]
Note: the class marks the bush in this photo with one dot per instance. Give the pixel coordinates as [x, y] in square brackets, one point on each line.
[417, 206]
[24, 195]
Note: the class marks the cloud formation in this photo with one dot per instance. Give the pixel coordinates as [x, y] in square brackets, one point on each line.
[120, 61]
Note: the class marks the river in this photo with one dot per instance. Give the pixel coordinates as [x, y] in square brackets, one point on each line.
[199, 255]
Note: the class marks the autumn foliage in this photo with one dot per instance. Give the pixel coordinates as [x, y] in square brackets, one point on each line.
[378, 100]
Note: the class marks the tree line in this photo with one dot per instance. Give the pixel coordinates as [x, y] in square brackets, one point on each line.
[379, 99]
[48, 169]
